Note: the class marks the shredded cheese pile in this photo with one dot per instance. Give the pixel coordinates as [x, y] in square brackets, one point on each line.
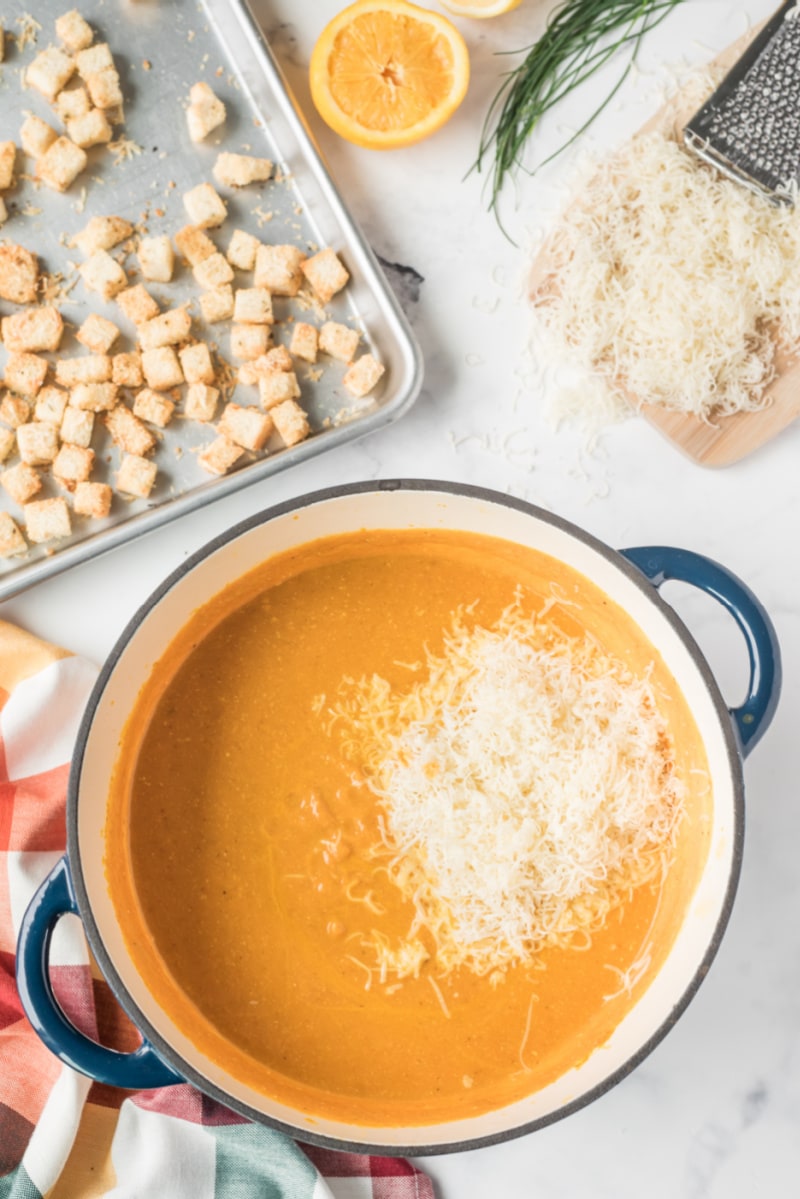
[526, 787]
[672, 283]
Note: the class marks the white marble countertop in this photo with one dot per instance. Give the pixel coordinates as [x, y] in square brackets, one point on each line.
[715, 1111]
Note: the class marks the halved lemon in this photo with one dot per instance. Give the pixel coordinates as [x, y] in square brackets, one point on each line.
[480, 8]
[386, 73]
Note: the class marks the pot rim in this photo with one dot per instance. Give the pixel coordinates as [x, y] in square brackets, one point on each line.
[308, 499]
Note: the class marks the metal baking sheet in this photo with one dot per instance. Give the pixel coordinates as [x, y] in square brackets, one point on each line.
[160, 50]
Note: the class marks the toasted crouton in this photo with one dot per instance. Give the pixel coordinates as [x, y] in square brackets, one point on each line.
[196, 363]
[93, 397]
[194, 245]
[8, 441]
[128, 432]
[277, 387]
[74, 31]
[220, 456]
[97, 334]
[305, 341]
[91, 368]
[14, 410]
[153, 407]
[73, 464]
[290, 421]
[37, 442]
[161, 368]
[92, 499]
[61, 164]
[137, 304]
[278, 269]
[276, 359]
[217, 305]
[36, 136]
[362, 376]
[104, 88]
[237, 170]
[19, 274]
[213, 272]
[249, 341]
[156, 258]
[165, 330]
[32, 330]
[11, 540]
[93, 59]
[25, 374]
[49, 71]
[92, 129]
[21, 482]
[136, 476]
[72, 103]
[201, 402]
[247, 427]
[47, 520]
[102, 233]
[8, 156]
[253, 306]
[205, 207]
[126, 369]
[51, 403]
[325, 273]
[338, 340]
[103, 274]
[77, 427]
[241, 251]
[205, 113]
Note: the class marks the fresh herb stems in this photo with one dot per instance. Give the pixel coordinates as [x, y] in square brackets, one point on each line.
[580, 37]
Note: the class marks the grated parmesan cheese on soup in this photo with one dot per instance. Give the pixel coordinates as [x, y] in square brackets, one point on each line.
[526, 787]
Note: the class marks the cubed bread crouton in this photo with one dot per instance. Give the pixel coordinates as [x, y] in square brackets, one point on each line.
[201, 402]
[74, 31]
[276, 359]
[325, 273]
[92, 129]
[11, 540]
[93, 59]
[61, 164]
[72, 103]
[153, 407]
[98, 335]
[73, 465]
[126, 370]
[103, 274]
[253, 306]
[206, 209]
[213, 272]
[237, 170]
[278, 269]
[136, 476]
[290, 421]
[8, 156]
[92, 499]
[37, 442]
[128, 432]
[196, 363]
[242, 249]
[137, 304]
[217, 305]
[14, 410]
[21, 482]
[362, 376]
[93, 397]
[36, 136]
[19, 274]
[249, 341]
[161, 368]
[77, 427]
[102, 233]
[34, 330]
[247, 427]
[277, 387]
[156, 258]
[51, 403]
[47, 520]
[339, 341]
[8, 442]
[205, 113]
[104, 88]
[25, 374]
[91, 368]
[193, 244]
[305, 341]
[165, 330]
[220, 456]
[49, 71]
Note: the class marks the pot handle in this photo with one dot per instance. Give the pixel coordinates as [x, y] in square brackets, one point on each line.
[660, 563]
[139, 1070]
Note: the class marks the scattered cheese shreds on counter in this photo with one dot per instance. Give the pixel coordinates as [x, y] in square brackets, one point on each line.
[671, 285]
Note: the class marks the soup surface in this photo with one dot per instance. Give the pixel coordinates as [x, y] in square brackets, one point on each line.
[250, 854]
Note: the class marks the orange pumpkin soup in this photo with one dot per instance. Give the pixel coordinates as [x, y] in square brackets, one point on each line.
[321, 908]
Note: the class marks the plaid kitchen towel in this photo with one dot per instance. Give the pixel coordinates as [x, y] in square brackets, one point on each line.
[61, 1135]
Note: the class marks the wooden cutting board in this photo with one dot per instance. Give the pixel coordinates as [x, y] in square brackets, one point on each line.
[728, 439]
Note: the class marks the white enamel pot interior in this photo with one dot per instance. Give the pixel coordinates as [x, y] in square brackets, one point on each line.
[404, 505]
